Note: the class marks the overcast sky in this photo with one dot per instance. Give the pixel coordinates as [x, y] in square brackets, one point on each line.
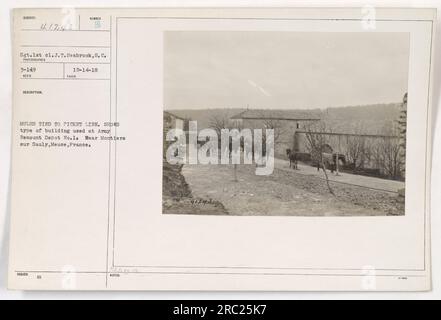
[208, 69]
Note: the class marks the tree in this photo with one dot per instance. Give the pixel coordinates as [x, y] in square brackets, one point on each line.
[220, 122]
[386, 153]
[317, 141]
[402, 123]
[278, 127]
[358, 149]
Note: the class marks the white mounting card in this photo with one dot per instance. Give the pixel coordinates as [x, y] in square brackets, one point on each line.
[221, 149]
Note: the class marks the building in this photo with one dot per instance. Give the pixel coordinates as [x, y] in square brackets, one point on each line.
[285, 123]
[170, 121]
[371, 153]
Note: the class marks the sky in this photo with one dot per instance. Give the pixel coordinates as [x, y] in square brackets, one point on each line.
[283, 70]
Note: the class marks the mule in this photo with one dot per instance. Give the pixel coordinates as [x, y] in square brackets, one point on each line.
[330, 161]
[293, 159]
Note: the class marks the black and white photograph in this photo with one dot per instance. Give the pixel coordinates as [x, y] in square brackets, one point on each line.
[333, 105]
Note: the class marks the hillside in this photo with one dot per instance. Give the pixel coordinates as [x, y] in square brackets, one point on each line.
[368, 119]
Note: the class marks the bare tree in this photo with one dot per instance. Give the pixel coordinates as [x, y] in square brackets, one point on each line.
[386, 153]
[390, 148]
[316, 145]
[278, 127]
[356, 151]
[220, 122]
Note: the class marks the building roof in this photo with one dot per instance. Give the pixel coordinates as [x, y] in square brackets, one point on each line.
[264, 114]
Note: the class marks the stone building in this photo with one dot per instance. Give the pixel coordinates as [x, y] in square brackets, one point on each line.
[377, 154]
[285, 123]
[170, 121]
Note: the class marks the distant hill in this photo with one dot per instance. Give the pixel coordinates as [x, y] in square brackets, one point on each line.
[367, 119]
[372, 112]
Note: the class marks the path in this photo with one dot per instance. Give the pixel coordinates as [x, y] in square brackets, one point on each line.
[344, 177]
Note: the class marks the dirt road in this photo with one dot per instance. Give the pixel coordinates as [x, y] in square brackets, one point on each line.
[285, 193]
[345, 177]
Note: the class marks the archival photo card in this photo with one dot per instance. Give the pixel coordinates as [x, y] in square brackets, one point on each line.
[221, 149]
